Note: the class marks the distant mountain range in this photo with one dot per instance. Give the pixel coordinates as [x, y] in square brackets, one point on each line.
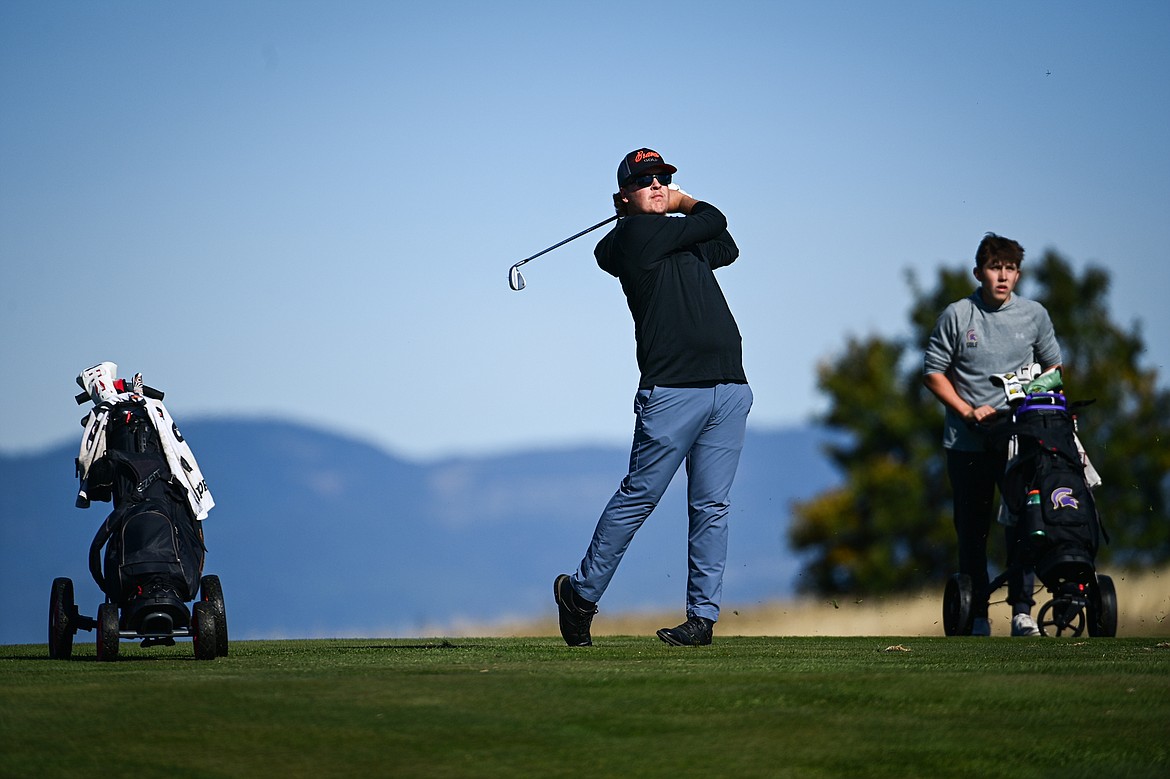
[317, 535]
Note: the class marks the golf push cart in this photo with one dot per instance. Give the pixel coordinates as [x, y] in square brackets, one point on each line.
[1048, 491]
[133, 455]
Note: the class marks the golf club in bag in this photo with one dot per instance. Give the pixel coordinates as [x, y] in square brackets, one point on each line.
[516, 278]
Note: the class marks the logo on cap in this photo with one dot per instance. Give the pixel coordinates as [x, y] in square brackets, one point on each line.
[639, 162]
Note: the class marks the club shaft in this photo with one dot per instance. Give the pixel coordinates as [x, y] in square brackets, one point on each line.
[570, 238]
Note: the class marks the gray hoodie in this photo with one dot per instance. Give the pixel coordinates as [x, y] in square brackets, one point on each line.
[971, 342]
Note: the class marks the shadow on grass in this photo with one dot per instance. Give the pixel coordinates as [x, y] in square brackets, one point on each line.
[443, 644]
[135, 658]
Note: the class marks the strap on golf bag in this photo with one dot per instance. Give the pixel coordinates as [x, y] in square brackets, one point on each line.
[145, 544]
[151, 536]
[1045, 487]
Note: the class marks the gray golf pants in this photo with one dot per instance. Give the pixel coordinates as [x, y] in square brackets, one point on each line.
[705, 428]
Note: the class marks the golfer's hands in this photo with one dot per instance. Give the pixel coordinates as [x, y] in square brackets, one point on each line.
[677, 201]
[980, 415]
[619, 205]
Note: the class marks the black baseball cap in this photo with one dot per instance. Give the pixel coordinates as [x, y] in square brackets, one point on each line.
[640, 162]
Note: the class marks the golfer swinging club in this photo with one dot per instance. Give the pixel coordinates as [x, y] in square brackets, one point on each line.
[693, 397]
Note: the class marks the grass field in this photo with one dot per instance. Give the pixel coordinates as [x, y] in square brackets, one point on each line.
[816, 688]
[628, 707]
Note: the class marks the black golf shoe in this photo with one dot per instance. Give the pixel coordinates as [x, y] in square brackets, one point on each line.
[576, 613]
[696, 631]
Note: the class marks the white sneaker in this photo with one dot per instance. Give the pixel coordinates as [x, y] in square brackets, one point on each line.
[981, 627]
[1024, 625]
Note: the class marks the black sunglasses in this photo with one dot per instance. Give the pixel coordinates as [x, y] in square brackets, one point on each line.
[641, 182]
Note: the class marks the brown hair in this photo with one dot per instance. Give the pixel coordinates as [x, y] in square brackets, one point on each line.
[996, 247]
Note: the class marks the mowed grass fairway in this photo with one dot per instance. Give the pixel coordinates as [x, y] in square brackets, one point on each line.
[628, 707]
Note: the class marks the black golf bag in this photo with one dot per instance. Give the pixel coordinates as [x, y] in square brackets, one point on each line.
[153, 544]
[1045, 488]
[147, 556]
[1048, 493]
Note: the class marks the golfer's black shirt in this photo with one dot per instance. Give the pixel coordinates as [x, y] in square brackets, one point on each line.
[684, 329]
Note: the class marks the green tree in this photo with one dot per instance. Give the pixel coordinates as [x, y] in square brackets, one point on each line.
[887, 527]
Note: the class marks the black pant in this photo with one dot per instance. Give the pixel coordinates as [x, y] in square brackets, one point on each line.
[974, 477]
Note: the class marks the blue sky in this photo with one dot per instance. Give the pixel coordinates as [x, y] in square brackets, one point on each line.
[307, 210]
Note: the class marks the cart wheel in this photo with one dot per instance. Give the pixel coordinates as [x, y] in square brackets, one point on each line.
[107, 632]
[957, 614]
[1103, 609]
[203, 630]
[1061, 617]
[62, 613]
[212, 592]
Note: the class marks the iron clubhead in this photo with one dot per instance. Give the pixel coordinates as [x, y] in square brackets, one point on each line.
[515, 278]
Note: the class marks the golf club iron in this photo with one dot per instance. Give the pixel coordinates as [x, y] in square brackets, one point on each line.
[516, 278]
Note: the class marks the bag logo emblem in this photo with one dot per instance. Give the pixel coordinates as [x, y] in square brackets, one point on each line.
[1062, 497]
